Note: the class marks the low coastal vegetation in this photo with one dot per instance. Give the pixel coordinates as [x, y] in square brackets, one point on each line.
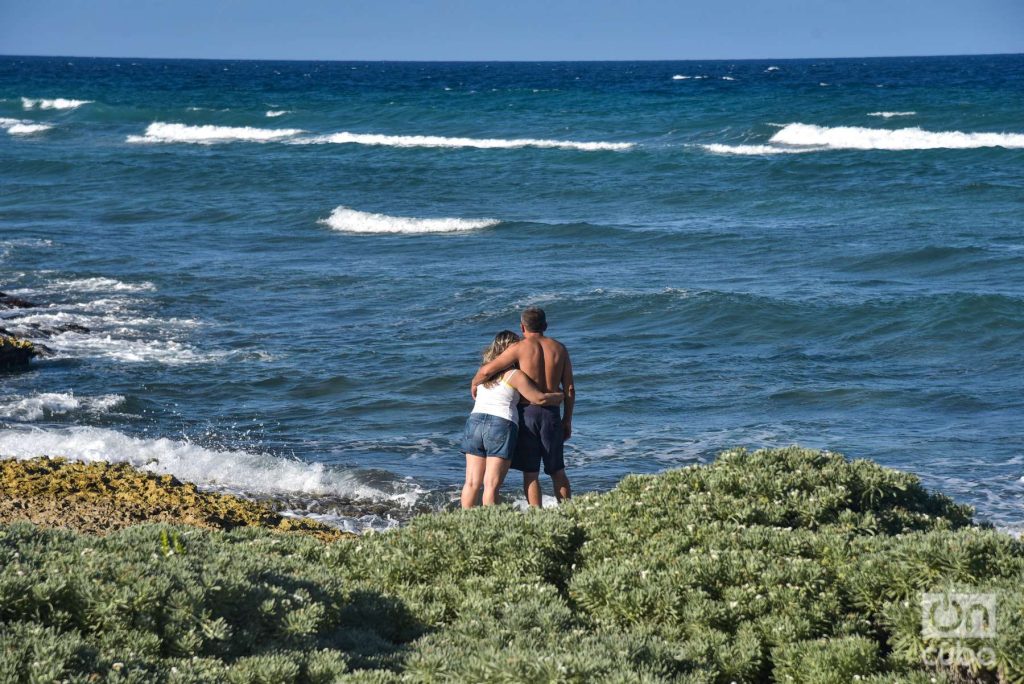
[786, 565]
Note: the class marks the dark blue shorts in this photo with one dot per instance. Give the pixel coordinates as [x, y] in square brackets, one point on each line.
[541, 438]
[488, 435]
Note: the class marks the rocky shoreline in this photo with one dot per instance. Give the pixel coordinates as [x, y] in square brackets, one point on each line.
[98, 498]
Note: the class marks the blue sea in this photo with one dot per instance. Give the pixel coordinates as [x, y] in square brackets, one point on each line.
[276, 278]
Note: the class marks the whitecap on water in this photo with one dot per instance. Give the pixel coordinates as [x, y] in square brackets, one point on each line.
[239, 472]
[353, 221]
[346, 138]
[49, 404]
[55, 103]
[160, 132]
[799, 137]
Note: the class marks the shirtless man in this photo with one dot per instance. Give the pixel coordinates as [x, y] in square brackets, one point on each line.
[542, 431]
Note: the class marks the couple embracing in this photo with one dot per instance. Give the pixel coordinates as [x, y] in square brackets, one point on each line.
[516, 420]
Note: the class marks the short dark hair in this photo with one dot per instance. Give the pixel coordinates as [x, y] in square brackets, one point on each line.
[534, 320]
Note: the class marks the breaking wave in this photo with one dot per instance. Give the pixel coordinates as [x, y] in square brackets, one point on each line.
[160, 132]
[56, 103]
[100, 285]
[20, 127]
[889, 115]
[858, 138]
[752, 149]
[239, 472]
[50, 404]
[345, 138]
[352, 221]
[798, 137]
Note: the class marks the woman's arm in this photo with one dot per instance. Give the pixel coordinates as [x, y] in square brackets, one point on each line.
[504, 360]
[522, 382]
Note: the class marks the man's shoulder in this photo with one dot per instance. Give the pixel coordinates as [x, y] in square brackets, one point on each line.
[557, 345]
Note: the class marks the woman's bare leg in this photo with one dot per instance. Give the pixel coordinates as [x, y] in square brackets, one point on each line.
[475, 468]
[494, 475]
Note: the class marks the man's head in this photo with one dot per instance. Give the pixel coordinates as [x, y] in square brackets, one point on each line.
[534, 320]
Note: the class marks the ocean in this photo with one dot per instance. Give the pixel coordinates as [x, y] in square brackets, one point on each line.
[276, 278]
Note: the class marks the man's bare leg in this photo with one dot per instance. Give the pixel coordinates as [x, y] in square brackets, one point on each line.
[561, 483]
[497, 468]
[475, 467]
[531, 487]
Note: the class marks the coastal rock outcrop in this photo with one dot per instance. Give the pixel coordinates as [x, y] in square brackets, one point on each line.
[10, 302]
[15, 353]
[102, 497]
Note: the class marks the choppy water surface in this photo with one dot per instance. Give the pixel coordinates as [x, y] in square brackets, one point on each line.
[275, 277]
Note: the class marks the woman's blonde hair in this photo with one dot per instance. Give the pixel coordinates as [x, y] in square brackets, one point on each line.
[502, 341]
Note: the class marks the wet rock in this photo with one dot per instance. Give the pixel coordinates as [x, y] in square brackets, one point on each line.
[15, 353]
[102, 497]
[39, 330]
[9, 302]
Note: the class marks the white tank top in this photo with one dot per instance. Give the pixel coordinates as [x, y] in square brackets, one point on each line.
[498, 400]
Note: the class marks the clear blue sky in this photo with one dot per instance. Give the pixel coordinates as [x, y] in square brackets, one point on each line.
[509, 29]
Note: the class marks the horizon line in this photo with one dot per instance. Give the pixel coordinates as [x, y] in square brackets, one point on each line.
[516, 61]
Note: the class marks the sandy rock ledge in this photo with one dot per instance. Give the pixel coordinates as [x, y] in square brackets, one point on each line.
[102, 497]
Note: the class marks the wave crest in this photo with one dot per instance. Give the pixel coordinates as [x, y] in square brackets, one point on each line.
[239, 472]
[160, 132]
[55, 103]
[353, 221]
[799, 137]
[859, 138]
[21, 127]
[345, 138]
[56, 403]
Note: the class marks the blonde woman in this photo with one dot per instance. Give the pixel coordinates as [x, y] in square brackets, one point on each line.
[491, 429]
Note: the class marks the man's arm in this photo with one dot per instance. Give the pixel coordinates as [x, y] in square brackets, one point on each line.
[500, 362]
[569, 389]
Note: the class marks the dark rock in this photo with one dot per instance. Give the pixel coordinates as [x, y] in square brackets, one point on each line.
[9, 302]
[15, 353]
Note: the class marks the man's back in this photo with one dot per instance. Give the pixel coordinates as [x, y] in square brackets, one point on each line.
[543, 359]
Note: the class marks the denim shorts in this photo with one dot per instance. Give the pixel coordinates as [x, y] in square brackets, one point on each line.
[488, 435]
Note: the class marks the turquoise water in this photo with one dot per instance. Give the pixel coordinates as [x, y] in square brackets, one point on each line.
[285, 271]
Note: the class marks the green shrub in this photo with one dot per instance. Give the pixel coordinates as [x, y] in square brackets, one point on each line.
[825, 661]
[776, 565]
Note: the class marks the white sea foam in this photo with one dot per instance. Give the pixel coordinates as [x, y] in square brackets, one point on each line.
[28, 129]
[352, 221]
[56, 403]
[22, 127]
[230, 470]
[771, 68]
[100, 285]
[798, 137]
[753, 150]
[441, 141]
[681, 77]
[889, 115]
[106, 322]
[115, 346]
[728, 78]
[160, 132]
[56, 103]
[858, 138]
[273, 113]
